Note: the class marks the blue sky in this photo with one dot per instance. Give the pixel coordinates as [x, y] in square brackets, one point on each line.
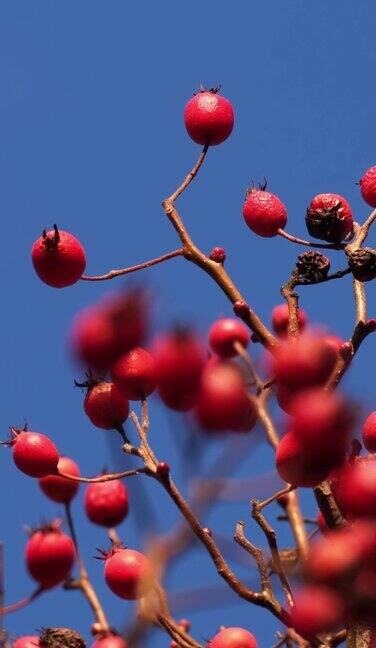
[92, 137]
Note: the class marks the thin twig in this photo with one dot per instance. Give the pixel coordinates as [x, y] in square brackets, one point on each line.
[328, 506]
[140, 266]
[272, 498]
[190, 176]
[19, 605]
[104, 478]
[257, 554]
[299, 241]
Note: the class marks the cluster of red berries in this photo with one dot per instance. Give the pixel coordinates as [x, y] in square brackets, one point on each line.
[109, 640]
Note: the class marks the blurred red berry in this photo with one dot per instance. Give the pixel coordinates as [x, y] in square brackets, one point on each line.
[368, 186]
[110, 641]
[49, 556]
[58, 489]
[264, 212]
[316, 609]
[233, 638]
[280, 319]
[128, 573]
[106, 406]
[33, 453]
[209, 117]
[58, 258]
[357, 490]
[369, 432]
[31, 641]
[135, 374]
[329, 217]
[106, 503]
[224, 333]
[297, 465]
[304, 361]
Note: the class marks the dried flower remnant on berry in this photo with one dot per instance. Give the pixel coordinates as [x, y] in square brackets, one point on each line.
[362, 263]
[313, 266]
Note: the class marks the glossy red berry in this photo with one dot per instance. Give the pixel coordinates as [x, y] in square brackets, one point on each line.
[303, 362]
[135, 374]
[264, 212]
[58, 489]
[368, 186]
[357, 490]
[31, 641]
[178, 401]
[223, 335]
[233, 638]
[128, 573]
[280, 319]
[106, 503]
[316, 609]
[110, 641]
[106, 406]
[58, 258]
[209, 117]
[296, 464]
[49, 556]
[34, 453]
[369, 432]
[329, 217]
[223, 402]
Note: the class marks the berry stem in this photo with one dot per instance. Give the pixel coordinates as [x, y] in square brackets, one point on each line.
[190, 176]
[299, 241]
[140, 266]
[19, 605]
[104, 478]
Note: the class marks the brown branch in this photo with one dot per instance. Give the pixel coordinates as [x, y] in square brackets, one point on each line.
[299, 241]
[140, 266]
[257, 554]
[292, 298]
[104, 478]
[190, 176]
[19, 605]
[328, 506]
[83, 583]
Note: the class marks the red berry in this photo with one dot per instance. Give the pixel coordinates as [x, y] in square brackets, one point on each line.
[134, 374]
[280, 319]
[286, 396]
[369, 432]
[34, 453]
[209, 117]
[102, 333]
[58, 258]
[110, 641]
[304, 362]
[316, 609]
[58, 489]
[368, 186]
[49, 556]
[233, 638]
[31, 641]
[297, 466]
[224, 333]
[106, 406]
[357, 490]
[264, 212]
[223, 402]
[218, 254]
[128, 573]
[106, 503]
[180, 359]
[185, 624]
[329, 217]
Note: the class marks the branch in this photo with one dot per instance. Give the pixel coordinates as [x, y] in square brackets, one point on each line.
[257, 554]
[328, 506]
[299, 241]
[140, 266]
[188, 179]
[103, 478]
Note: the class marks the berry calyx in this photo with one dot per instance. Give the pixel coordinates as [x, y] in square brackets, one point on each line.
[362, 263]
[209, 117]
[58, 258]
[316, 609]
[33, 453]
[49, 555]
[110, 641]
[105, 405]
[59, 489]
[313, 266]
[128, 573]
[329, 217]
[233, 638]
[223, 335]
[368, 186]
[135, 374]
[30, 641]
[280, 319]
[369, 432]
[218, 254]
[61, 638]
[107, 503]
[264, 212]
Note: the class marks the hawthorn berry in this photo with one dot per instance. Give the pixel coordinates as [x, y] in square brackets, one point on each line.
[233, 638]
[280, 319]
[106, 503]
[178, 401]
[58, 258]
[135, 374]
[33, 453]
[31, 641]
[369, 432]
[128, 573]
[223, 335]
[297, 465]
[264, 212]
[110, 641]
[316, 609]
[357, 489]
[105, 405]
[329, 217]
[209, 117]
[223, 402]
[49, 555]
[305, 361]
[368, 186]
[59, 489]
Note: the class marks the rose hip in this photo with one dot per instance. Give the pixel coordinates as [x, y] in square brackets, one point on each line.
[58, 258]
[209, 117]
[59, 489]
[106, 503]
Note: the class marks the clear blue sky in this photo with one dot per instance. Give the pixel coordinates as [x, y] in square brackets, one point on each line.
[91, 100]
